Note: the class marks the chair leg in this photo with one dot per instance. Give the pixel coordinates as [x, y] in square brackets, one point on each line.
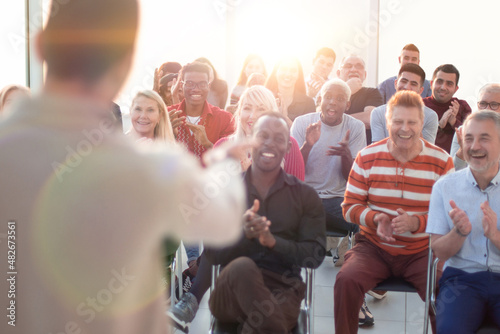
[309, 300]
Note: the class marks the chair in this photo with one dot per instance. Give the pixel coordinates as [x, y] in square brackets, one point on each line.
[398, 284]
[487, 327]
[305, 323]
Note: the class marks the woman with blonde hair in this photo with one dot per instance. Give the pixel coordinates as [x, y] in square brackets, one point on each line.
[255, 101]
[150, 118]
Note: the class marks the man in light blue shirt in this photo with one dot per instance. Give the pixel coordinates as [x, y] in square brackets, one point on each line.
[410, 77]
[464, 229]
[409, 55]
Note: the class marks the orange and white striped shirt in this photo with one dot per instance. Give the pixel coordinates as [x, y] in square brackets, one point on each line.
[380, 183]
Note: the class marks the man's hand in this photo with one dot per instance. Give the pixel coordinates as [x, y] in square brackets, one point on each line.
[460, 219]
[174, 90]
[256, 226]
[404, 222]
[450, 115]
[314, 85]
[384, 227]
[343, 148]
[175, 120]
[355, 84]
[313, 132]
[489, 221]
[200, 134]
[156, 80]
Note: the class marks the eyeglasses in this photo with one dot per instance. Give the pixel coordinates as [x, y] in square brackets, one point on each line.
[192, 84]
[357, 66]
[483, 105]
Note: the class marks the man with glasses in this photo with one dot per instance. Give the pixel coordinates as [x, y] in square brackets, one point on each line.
[450, 110]
[488, 99]
[198, 124]
[363, 99]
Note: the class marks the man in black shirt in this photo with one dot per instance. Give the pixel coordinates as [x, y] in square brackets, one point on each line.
[283, 231]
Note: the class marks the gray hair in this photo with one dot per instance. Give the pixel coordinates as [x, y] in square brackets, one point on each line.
[336, 82]
[484, 115]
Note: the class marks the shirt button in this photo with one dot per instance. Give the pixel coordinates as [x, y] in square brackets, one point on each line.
[484, 255]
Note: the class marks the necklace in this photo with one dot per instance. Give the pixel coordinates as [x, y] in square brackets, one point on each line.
[194, 121]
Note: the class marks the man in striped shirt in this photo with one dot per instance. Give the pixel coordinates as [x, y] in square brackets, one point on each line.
[388, 195]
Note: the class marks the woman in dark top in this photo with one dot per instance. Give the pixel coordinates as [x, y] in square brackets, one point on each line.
[287, 83]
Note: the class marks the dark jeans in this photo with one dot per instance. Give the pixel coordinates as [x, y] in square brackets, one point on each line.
[465, 299]
[258, 299]
[334, 219]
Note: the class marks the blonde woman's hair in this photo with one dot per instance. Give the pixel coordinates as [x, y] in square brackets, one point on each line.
[255, 95]
[163, 130]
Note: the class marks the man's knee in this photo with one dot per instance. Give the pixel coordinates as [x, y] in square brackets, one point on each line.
[240, 269]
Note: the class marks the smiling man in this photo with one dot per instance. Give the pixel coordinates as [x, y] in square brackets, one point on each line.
[203, 123]
[410, 54]
[283, 231]
[450, 110]
[465, 230]
[410, 77]
[322, 67]
[388, 195]
[329, 141]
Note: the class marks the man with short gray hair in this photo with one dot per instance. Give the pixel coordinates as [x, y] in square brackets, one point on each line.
[363, 100]
[329, 141]
[465, 230]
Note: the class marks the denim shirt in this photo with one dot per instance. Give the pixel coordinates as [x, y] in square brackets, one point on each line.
[477, 253]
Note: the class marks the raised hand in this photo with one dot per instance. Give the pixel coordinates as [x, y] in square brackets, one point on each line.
[200, 134]
[342, 149]
[489, 221]
[459, 219]
[313, 132]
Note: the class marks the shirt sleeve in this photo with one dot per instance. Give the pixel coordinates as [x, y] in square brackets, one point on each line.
[309, 250]
[355, 206]
[377, 124]
[438, 216]
[298, 131]
[294, 162]
[431, 125]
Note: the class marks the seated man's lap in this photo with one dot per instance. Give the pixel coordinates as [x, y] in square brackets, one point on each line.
[363, 265]
[461, 304]
[259, 290]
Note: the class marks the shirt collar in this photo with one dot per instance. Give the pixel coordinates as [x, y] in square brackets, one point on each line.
[470, 178]
[283, 178]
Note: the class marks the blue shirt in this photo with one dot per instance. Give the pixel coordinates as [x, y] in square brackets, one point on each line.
[477, 252]
[387, 89]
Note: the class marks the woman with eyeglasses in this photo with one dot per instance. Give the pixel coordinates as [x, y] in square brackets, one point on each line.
[287, 83]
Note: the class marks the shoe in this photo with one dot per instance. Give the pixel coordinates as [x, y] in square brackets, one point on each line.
[378, 294]
[187, 282]
[183, 313]
[341, 250]
[365, 316]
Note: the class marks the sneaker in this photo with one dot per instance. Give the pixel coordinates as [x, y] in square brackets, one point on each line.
[365, 316]
[378, 294]
[341, 250]
[183, 313]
